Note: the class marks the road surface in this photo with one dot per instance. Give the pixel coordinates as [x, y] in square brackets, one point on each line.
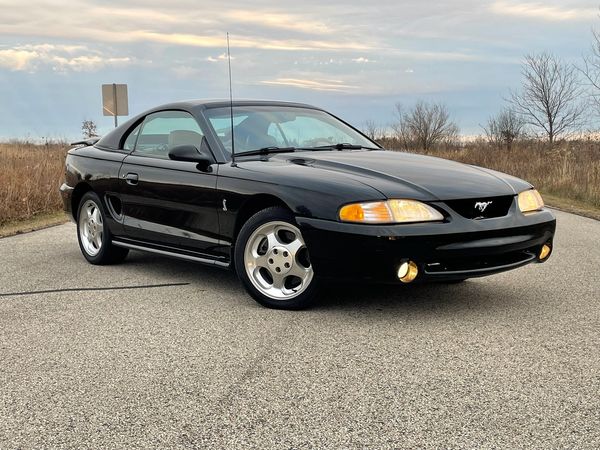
[184, 358]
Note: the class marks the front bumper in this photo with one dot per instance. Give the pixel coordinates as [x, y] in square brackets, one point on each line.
[455, 249]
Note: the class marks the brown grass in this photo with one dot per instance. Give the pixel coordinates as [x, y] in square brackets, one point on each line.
[30, 176]
[569, 169]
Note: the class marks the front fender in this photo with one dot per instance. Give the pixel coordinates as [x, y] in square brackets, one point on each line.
[304, 193]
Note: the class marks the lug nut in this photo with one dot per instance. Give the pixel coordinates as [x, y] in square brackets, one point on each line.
[270, 260]
[287, 265]
[285, 254]
[277, 269]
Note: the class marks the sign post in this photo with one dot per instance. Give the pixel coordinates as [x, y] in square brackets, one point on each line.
[114, 100]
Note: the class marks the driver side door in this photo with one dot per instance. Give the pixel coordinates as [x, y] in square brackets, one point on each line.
[169, 204]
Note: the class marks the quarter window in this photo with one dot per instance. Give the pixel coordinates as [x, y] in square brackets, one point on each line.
[161, 131]
[129, 143]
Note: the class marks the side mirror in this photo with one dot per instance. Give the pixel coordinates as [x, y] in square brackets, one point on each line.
[189, 153]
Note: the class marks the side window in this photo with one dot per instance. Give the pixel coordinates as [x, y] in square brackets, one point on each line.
[130, 141]
[164, 130]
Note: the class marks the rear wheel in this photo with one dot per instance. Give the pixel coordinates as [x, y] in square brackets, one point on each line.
[272, 260]
[95, 239]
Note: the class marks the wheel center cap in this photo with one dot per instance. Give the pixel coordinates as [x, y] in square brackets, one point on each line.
[279, 260]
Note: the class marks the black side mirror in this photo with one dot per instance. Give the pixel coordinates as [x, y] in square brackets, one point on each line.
[190, 153]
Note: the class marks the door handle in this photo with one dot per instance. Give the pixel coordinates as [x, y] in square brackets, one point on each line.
[131, 178]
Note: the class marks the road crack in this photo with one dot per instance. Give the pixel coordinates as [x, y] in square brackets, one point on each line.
[109, 288]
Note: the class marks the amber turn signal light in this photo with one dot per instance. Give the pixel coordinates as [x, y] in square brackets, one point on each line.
[544, 252]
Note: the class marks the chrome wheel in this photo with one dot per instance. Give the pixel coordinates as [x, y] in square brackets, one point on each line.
[276, 261]
[91, 227]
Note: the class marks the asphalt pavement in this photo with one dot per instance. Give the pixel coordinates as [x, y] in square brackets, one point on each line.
[161, 353]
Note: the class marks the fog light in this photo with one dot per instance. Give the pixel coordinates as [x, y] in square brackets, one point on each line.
[544, 252]
[407, 271]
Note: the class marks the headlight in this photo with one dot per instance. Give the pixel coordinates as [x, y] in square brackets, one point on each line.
[530, 200]
[390, 211]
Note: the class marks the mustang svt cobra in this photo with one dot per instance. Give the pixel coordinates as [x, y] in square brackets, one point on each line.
[304, 197]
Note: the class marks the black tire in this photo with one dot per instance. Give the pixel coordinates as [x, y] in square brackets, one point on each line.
[107, 253]
[264, 218]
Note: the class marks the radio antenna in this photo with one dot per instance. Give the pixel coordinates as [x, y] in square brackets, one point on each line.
[231, 104]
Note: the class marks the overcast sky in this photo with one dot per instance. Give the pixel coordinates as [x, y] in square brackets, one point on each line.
[355, 58]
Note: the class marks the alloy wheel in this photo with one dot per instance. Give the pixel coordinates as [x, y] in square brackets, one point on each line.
[91, 227]
[277, 262]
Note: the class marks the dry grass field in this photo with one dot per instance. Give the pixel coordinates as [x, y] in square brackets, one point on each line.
[569, 171]
[29, 179]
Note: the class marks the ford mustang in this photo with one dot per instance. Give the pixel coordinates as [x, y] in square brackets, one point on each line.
[289, 196]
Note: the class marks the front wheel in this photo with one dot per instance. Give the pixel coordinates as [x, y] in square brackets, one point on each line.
[272, 260]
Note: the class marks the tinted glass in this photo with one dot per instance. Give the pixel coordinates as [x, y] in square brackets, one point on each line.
[164, 130]
[130, 141]
[282, 126]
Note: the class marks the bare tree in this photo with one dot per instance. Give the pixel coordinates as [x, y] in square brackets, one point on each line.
[372, 130]
[550, 95]
[398, 126]
[504, 128]
[424, 125]
[88, 128]
[591, 71]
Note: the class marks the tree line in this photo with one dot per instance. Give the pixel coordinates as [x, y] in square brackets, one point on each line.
[555, 99]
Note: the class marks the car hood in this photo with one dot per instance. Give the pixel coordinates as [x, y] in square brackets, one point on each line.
[400, 174]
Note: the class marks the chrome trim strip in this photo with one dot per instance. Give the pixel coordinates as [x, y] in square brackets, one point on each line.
[171, 254]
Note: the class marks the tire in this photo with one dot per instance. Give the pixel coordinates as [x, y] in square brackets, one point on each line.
[95, 239]
[271, 259]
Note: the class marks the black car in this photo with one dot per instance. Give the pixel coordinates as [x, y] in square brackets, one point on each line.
[304, 198]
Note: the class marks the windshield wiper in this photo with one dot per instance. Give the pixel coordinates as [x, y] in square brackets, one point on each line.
[343, 146]
[266, 151]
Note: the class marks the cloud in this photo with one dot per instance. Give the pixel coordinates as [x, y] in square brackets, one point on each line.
[317, 85]
[542, 11]
[281, 21]
[221, 57]
[187, 71]
[180, 25]
[16, 59]
[334, 52]
[59, 58]
[239, 41]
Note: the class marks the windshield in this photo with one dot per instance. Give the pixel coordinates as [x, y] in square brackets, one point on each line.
[257, 127]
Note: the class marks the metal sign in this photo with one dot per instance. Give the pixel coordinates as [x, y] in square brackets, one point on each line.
[114, 100]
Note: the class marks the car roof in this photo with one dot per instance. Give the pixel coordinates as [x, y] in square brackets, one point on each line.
[220, 103]
[111, 140]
